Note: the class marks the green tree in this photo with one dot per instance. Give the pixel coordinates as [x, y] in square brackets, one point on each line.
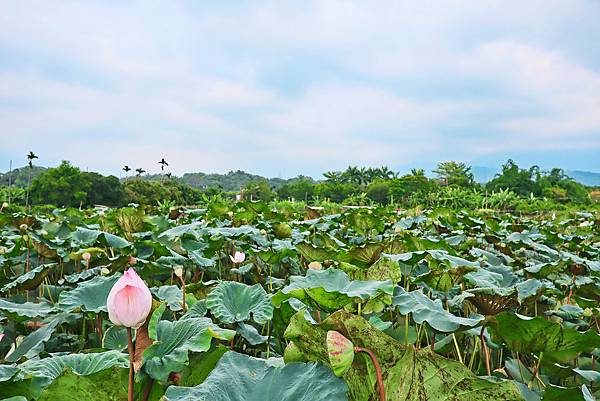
[64, 185]
[259, 190]
[103, 190]
[523, 182]
[412, 189]
[379, 191]
[150, 193]
[299, 189]
[336, 191]
[455, 174]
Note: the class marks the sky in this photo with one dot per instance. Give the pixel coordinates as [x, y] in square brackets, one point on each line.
[281, 88]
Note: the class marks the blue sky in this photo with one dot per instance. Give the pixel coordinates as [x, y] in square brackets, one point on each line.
[282, 88]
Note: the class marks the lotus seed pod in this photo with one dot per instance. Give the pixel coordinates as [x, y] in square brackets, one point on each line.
[397, 229]
[587, 312]
[315, 265]
[23, 227]
[104, 271]
[5, 205]
[263, 232]
[2, 250]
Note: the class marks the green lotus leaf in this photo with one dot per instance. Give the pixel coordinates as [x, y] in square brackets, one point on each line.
[231, 302]
[33, 344]
[424, 309]
[312, 253]
[25, 311]
[44, 371]
[198, 309]
[109, 384]
[89, 296]
[174, 340]
[251, 334]
[30, 279]
[526, 334]
[331, 289]
[408, 374]
[115, 338]
[255, 380]
[171, 295]
[7, 372]
[87, 237]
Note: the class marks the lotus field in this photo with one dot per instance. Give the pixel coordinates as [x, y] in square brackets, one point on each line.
[274, 302]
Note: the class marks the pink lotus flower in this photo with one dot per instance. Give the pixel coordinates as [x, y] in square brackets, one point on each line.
[86, 256]
[238, 258]
[129, 301]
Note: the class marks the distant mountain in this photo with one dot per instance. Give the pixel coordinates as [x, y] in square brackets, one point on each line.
[589, 178]
[231, 181]
[20, 176]
[585, 177]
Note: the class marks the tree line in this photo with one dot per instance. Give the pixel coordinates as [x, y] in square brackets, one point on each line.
[453, 186]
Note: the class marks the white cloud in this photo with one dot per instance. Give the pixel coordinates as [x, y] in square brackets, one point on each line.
[386, 82]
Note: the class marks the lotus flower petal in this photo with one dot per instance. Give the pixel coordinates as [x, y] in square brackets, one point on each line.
[129, 301]
[238, 257]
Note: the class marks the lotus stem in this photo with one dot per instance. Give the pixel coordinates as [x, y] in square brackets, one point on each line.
[486, 352]
[131, 356]
[536, 370]
[377, 371]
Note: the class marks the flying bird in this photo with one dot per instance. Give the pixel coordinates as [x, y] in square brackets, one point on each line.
[140, 171]
[163, 163]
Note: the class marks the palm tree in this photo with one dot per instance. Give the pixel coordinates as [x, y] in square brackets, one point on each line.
[352, 174]
[127, 169]
[333, 176]
[417, 172]
[30, 157]
[385, 173]
[139, 171]
[162, 163]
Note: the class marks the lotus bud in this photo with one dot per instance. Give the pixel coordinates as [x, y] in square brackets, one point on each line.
[104, 271]
[129, 301]
[587, 312]
[179, 271]
[315, 265]
[132, 260]
[238, 257]
[23, 227]
[397, 229]
[263, 232]
[2, 250]
[86, 256]
[230, 214]
[5, 205]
